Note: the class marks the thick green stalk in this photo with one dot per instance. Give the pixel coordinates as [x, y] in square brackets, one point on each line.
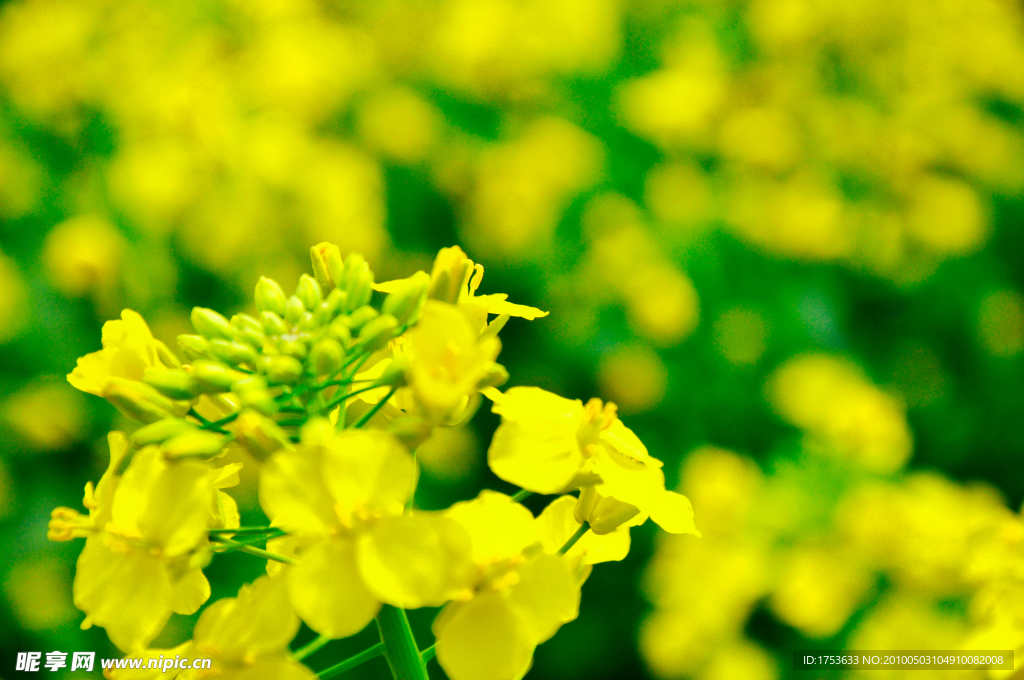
[399, 645]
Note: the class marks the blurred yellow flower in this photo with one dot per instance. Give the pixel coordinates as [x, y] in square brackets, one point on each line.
[46, 414]
[1001, 323]
[836, 405]
[13, 300]
[83, 255]
[634, 376]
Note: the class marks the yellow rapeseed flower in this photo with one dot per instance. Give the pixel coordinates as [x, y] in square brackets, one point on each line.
[519, 597]
[244, 637]
[129, 348]
[342, 495]
[145, 534]
[549, 444]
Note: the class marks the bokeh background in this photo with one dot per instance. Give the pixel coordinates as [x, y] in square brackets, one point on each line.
[786, 237]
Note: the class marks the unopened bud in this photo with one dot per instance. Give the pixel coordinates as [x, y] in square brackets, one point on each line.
[272, 323]
[195, 443]
[328, 266]
[261, 401]
[309, 292]
[326, 357]
[269, 296]
[160, 431]
[293, 310]
[449, 275]
[377, 333]
[210, 324]
[361, 317]
[339, 331]
[141, 402]
[336, 302]
[194, 346]
[407, 303]
[260, 436]
[248, 330]
[232, 352]
[293, 348]
[394, 374]
[495, 375]
[214, 376]
[283, 369]
[358, 281]
[176, 384]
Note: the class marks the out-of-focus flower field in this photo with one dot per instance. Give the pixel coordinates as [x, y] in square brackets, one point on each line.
[786, 237]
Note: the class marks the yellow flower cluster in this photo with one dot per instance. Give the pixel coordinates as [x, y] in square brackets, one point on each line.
[837, 540]
[331, 395]
[869, 134]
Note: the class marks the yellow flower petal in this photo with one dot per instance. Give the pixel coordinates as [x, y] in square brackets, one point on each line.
[485, 639]
[368, 470]
[498, 527]
[673, 513]
[293, 494]
[412, 561]
[128, 349]
[547, 595]
[127, 593]
[189, 592]
[164, 503]
[259, 621]
[556, 524]
[327, 591]
[535, 447]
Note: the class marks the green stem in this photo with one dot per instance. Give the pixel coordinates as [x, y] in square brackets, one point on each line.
[365, 418]
[429, 653]
[352, 662]
[584, 528]
[224, 421]
[399, 645]
[313, 646]
[353, 393]
[249, 550]
[521, 494]
[245, 530]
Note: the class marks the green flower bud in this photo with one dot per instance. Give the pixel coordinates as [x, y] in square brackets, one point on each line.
[194, 346]
[139, 401]
[336, 301]
[361, 317]
[248, 331]
[328, 266]
[293, 348]
[160, 431]
[308, 291]
[195, 443]
[176, 384]
[248, 384]
[261, 401]
[326, 357]
[272, 323]
[495, 375]
[394, 373]
[259, 435]
[338, 330]
[293, 310]
[377, 333]
[407, 303]
[213, 376]
[307, 322]
[232, 352]
[269, 296]
[210, 324]
[283, 369]
[358, 281]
